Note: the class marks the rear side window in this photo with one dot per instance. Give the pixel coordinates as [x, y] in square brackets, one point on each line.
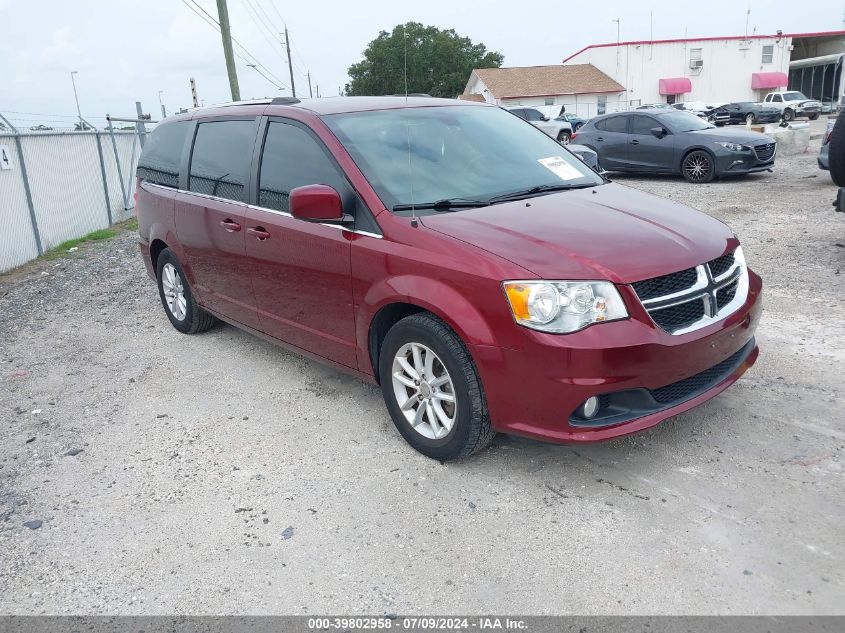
[612, 124]
[533, 115]
[292, 158]
[159, 162]
[221, 157]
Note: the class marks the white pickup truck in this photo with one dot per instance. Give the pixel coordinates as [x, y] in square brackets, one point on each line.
[793, 104]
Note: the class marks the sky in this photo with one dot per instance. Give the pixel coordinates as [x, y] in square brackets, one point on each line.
[127, 51]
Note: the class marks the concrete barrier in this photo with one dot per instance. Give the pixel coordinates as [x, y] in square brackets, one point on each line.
[793, 139]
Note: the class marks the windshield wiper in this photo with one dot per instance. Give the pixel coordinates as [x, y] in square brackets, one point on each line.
[527, 193]
[445, 204]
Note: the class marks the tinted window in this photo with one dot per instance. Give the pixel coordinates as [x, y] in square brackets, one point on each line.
[159, 162]
[612, 124]
[533, 115]
[220, 160]
[642, 124]
[292, 158]
[519, 112]
[777, 98]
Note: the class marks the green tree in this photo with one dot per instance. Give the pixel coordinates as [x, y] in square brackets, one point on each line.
[439, 62]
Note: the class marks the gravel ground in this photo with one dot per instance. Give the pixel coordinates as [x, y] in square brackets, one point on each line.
[219, 474]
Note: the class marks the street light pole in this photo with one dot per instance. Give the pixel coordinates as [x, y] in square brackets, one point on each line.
[76, 96]
[163, 111]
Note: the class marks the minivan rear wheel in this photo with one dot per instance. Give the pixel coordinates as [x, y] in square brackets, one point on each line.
[432, 389]
[176, 296]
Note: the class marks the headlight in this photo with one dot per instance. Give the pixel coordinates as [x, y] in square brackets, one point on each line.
[563, 306]
[735, 147]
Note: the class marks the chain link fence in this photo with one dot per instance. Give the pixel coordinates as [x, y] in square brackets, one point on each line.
[61, 185]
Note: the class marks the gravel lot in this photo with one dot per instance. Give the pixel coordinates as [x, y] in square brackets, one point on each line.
[220, 474]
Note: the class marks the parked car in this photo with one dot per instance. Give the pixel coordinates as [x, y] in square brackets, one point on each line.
[698, 108]
[659, 141]
[749, 112]
[585, 154]
[481, 274]
[793, 105]
[573, 119]
[559, 130]
[824, 152]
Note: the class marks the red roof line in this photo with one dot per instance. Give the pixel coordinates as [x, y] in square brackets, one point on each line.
[704, 39]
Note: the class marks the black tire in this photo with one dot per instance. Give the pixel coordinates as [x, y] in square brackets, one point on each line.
[836, 151]
[698, 167]
[813, 116]
[471, 430]
[195, 319]
[788, 115]
[564, 138]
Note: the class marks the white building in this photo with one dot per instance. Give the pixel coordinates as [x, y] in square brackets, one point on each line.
[720, 69]
[582, 89]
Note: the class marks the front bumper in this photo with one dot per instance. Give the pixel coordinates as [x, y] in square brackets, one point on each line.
[741, 163]
[535, 391]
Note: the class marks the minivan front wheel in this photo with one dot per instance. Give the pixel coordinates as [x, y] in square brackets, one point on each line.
[176, 296]
[432, 389]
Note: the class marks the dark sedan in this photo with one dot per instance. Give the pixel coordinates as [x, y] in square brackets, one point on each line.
[749, 112]
[665, 142]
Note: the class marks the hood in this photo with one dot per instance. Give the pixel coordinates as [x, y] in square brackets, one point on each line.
[733, 136]
[607, 232]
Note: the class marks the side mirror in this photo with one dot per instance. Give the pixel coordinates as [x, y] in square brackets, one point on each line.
[545, 118]
[659, 132]
[316, 203]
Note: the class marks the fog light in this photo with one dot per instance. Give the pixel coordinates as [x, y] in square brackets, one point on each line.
[590, 407]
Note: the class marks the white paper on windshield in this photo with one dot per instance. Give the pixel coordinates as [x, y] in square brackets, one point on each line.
[560, 168]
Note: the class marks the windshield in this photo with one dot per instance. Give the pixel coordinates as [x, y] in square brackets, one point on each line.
[683, 122]
[422, 155]
[794, 96]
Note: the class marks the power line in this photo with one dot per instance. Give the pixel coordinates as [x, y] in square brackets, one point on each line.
[253, 59]
[263, 29]
[301, 68]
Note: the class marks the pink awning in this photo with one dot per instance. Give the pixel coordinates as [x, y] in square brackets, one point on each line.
[762, 81]
[675, 86]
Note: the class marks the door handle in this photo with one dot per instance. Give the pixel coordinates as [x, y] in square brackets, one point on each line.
[259, 232]
[599, 138]
[230, 225]
[635, 142]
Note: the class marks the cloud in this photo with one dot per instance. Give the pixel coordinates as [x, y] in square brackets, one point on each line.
[62, 49]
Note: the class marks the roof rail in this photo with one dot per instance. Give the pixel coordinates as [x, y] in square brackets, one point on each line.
[285, 101]
[413, 94]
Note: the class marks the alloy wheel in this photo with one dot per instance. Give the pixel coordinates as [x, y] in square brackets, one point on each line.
[424, 391]
[697, 167]
[174, 291]
[750, 118]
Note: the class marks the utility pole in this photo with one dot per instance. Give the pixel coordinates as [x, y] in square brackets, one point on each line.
[310, 92]
[76, 96]
[290, 63]
[226, 34]
[194, 93]
[618, 21]
[163, 111]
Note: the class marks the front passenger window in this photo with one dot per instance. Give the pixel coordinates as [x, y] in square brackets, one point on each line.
[292, 158]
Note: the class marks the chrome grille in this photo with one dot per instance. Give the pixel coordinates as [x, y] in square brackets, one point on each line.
[690, 299]
[765, 152]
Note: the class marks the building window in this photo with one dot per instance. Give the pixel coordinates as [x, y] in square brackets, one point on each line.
[768, 53]
[601, 104]
[550, 100]
[695, 54]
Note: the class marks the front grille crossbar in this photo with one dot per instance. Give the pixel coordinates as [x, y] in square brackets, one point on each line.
[692, 298]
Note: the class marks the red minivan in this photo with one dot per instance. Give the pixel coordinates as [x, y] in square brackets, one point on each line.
[477, 270]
